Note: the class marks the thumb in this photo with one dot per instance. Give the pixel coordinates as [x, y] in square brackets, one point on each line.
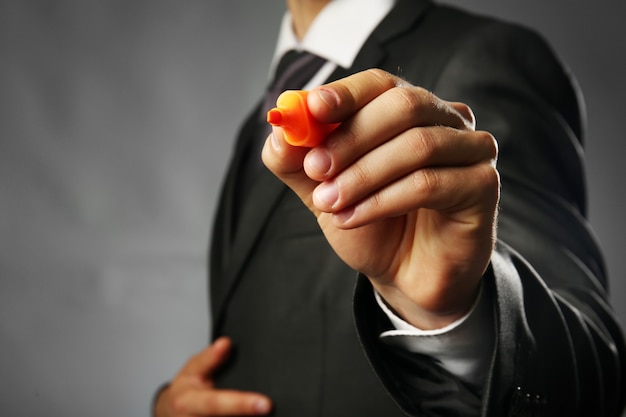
[209, 360]
[287, 163]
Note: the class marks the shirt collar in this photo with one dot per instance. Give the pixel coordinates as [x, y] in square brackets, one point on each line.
[337, 33]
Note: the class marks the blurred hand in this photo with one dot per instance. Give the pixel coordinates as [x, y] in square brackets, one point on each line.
[192, 392]
[405, 191]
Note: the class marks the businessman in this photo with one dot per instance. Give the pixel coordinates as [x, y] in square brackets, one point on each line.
[453, 192]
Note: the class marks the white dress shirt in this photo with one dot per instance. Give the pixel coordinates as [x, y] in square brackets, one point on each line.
[337, 34]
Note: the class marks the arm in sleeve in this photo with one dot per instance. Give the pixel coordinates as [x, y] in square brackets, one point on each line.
[559, 349]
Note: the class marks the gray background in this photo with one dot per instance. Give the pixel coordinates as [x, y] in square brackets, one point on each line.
[116, 124]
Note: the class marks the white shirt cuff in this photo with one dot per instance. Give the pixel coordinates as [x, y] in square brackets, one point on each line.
[464, 347]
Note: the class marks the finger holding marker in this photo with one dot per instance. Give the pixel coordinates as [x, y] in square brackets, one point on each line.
[377, 107]
[295, 131]
[286, 162]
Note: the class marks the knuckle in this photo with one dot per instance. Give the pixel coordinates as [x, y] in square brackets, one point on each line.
[421, 143]
[489, 177]
[377, 72]
[409, 100]
[467, 114]
[376, 202]
[417, 104]
[360, 175]
[383, 77]
[489, 174]
[424, 181]
[489, 142]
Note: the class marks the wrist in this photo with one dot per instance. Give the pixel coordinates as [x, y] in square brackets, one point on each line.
[424, 312]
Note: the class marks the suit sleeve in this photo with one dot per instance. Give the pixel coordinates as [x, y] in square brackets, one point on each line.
[559, 349]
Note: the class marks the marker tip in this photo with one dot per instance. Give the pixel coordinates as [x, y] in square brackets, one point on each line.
[274, 117]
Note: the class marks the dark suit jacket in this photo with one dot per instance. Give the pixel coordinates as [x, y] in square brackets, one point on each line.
[286, 300]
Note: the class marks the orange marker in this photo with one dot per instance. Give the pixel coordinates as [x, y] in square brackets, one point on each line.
[292, 114]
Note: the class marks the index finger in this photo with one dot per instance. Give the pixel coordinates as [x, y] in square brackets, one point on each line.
[336, 101]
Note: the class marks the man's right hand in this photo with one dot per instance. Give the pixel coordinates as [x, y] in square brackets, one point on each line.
[193, 393]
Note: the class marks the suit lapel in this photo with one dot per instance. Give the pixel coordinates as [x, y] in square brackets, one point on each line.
[223, 227]
[265, 195]
[233, 251]
[230, 248]
[400, 19]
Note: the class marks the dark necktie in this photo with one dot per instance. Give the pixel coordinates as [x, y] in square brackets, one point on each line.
[294, 70]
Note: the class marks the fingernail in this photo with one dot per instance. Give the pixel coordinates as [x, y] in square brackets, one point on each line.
[326, 194]
[274, 138]
[262, 406]
[329, 97]
[319, 161]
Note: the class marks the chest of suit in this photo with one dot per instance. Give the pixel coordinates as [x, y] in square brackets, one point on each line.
[288, 306]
